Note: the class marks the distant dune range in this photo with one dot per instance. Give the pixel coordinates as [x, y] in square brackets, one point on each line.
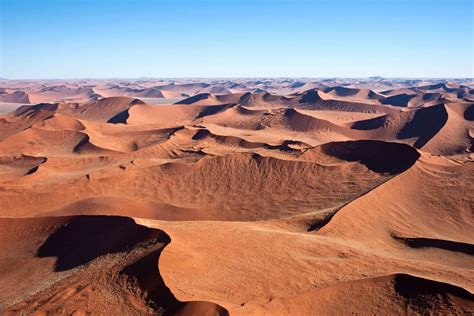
[241, 197]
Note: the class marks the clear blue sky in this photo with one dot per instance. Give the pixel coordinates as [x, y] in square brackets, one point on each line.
[254, 38]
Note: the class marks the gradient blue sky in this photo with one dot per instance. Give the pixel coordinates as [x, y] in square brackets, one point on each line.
[255, 38]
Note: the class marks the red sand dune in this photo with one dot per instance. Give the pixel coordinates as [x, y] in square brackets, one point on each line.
[237, 196]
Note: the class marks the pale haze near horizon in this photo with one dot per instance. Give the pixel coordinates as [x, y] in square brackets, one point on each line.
[129, 39]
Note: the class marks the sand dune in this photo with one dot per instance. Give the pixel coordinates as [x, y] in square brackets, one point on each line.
[454, 137]
[167, 186]
[423, 184]
[15, 97]
[109, 110]
[211, 99]
[353, 93]
[311, 99]
[237, 196]
[411, 294]
[106, 244]
[416, 127]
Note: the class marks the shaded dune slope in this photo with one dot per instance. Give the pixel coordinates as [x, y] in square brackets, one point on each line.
[85, 261]
[391, 294]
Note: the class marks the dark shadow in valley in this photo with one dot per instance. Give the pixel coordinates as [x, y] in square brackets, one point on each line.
[426, 123]
[469, 113]
[438, 243]
[85, 238]
[121, 117]
[321, 223]
[378, 156]
[417, 289]
[213, 109]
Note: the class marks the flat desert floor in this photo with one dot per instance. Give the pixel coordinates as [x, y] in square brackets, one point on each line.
[237, 196]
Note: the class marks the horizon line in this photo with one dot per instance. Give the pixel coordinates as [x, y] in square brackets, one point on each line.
[237, 77]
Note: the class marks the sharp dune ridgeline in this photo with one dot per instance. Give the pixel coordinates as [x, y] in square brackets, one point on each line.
[237, 196]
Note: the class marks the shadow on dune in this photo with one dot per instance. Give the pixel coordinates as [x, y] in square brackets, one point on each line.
[195, 98]
[158, 294]
[438, 243]
[401, 100]
[85, 238]
[417, 289]
[119, 118]
[391, 294]
[144, 272]
[422, 124]
[317, 225]
[378, 156]
[469, 113]
[36, 107]
[214, 109]
[426, 123]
